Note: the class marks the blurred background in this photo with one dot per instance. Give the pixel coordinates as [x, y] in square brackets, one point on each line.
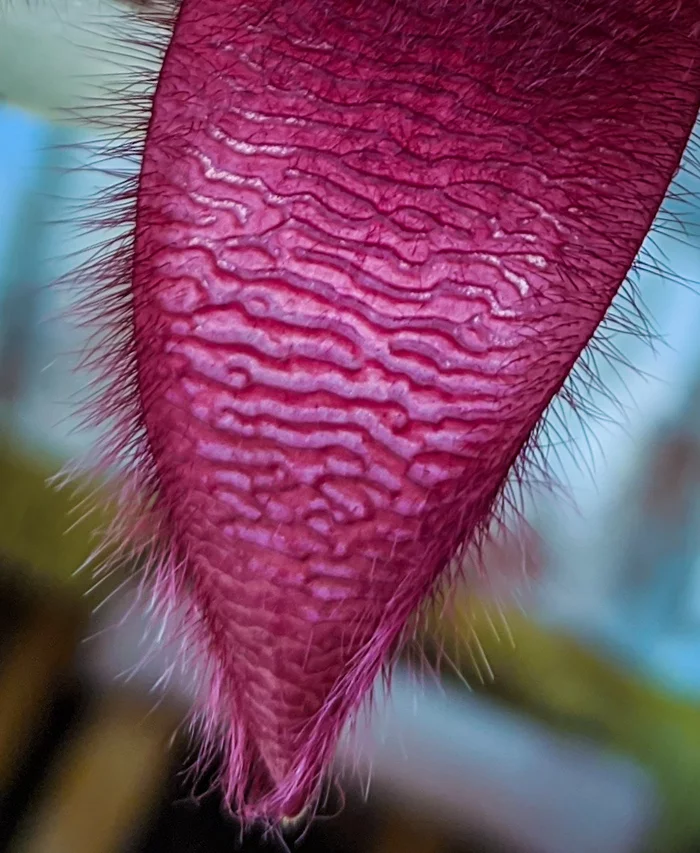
[562, 716]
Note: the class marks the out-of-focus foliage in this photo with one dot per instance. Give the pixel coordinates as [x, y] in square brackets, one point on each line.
[41, 527]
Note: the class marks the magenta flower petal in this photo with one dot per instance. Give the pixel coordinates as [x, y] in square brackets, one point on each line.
[372, 240]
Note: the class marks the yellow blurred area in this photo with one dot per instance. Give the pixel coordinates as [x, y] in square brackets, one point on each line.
[43, 529]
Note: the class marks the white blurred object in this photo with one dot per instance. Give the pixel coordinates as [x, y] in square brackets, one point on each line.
[483, 768]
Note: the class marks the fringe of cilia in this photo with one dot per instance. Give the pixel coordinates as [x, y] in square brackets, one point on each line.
[121, 467]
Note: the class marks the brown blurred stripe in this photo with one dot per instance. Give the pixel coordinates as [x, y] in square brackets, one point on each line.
[401, 834]
[38, 655]
[104, 784]
[61, 714]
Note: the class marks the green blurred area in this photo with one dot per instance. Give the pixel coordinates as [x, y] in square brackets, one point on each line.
[44, 529]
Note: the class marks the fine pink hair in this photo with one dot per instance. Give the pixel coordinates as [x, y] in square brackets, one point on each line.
[366, 246]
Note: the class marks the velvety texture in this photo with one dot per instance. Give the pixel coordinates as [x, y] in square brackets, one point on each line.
[372, 240]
